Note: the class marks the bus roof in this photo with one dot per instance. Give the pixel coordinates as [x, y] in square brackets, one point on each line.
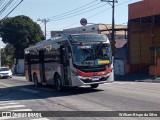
[75, 37]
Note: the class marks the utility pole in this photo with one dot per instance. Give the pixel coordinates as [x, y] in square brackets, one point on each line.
[0, 57]
[1, 50]
[113, 21]
[45, 22]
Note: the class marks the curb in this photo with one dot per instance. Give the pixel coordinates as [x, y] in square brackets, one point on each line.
[151, 81]
[18, 75]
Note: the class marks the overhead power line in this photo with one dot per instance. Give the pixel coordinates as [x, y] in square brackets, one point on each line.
[98, 13]
[4, 7]
[1, 2]
[9, 8]
[13, 9]
[108, 9]
[80, 11]
[73, 10]
[72, 15]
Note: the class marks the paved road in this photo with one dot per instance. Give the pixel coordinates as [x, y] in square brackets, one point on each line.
[117, 96]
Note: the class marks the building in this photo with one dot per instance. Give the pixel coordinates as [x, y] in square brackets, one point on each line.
[144, 37]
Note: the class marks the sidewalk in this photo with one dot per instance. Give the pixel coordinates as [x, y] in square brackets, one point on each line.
[137, 78]
[19, 75]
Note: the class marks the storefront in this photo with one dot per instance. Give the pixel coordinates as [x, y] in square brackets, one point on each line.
[144, 37]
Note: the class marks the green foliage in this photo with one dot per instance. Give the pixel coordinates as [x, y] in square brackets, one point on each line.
[7, 55]
[20, 31]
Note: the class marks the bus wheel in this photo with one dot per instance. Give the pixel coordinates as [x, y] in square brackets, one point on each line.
[58, 84]
[94, 85]
[35, 79]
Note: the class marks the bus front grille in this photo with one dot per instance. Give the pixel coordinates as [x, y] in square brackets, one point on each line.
[93, 68]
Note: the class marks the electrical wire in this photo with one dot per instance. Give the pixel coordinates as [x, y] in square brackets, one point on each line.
[76, 12]
[1, 2]
[100, 12]
[57, 19]
[67, 15]
[11, 6]
[79, 8]
[13, 9]
[109, 8]
[83, 13]
[5, 6]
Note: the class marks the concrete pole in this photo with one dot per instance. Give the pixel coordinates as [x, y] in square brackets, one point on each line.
[45, 23]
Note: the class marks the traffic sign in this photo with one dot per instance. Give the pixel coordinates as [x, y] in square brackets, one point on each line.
[104, 0]
[83, 22]
[109, 1]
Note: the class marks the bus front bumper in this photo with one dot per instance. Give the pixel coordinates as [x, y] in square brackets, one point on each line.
[81, 81]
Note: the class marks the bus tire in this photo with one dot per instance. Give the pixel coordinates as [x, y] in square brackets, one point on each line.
[58, 84]
[35, 79]
[94, 85]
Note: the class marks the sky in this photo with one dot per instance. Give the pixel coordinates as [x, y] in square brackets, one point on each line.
[64, 14]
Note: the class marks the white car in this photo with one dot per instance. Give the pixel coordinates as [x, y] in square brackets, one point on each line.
[5, 72]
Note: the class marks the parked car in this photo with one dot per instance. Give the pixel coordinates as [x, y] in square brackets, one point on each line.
[5, 72]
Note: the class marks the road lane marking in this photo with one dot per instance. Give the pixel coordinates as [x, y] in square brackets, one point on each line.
[12, 106]
[4, 104]
[22, 110]
[40, 119]
[5, 118]
[29, 90]
[9, 118]
[121, 82]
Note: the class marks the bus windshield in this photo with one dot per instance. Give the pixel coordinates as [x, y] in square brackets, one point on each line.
[91, 54]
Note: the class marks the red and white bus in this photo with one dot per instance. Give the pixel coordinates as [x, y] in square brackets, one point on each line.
[70, 60]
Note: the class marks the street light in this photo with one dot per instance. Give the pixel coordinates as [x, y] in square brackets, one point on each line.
[113, 22]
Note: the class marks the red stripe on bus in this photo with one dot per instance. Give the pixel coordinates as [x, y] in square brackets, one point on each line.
[90, 74]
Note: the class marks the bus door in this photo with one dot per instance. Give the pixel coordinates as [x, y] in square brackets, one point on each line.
[42, 67]
[65, 63]
[28, 57]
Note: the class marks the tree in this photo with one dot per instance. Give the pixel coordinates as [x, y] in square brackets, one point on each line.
[7, 57]
[21, 32]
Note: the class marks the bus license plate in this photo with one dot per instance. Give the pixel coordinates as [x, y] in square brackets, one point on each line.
[95, 79]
